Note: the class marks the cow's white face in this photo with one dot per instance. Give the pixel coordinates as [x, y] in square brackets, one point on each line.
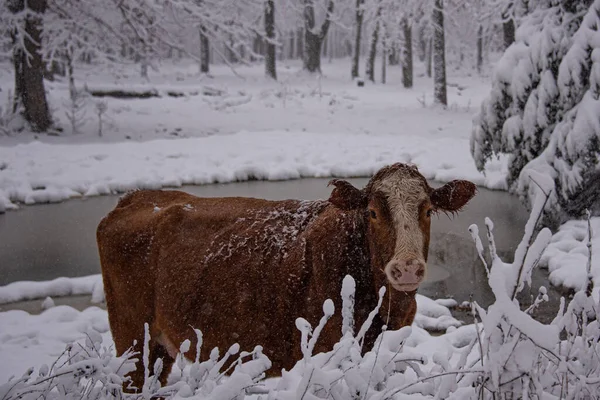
[398, 203]
[408, 215]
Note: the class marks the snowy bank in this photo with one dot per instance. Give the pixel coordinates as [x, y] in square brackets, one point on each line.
[37, 172]
[31, 290]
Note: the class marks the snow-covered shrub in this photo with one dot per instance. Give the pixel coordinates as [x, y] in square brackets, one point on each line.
[543, 106]
[521, 357]
[82, 371]
[91, 371]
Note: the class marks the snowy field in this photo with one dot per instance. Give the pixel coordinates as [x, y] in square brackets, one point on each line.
[226, 128]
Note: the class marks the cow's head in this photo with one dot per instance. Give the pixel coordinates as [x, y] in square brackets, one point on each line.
[398, 204]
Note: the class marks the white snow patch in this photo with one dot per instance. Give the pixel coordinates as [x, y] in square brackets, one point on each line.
[567, 255]
[29, 290]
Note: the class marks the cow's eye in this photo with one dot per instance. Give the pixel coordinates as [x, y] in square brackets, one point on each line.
[373, 214]
[429, 212]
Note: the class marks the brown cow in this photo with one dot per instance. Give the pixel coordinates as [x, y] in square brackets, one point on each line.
[242, 270]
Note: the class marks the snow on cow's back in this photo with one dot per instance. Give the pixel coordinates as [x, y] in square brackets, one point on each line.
[268, 230]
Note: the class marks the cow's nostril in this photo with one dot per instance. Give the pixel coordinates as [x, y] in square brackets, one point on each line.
[416, 267]
[397, 273]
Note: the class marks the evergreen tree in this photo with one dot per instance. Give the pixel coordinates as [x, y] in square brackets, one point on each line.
[543, 109]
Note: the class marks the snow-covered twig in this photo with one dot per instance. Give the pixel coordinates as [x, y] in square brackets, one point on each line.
[523, 247]
[590, 280]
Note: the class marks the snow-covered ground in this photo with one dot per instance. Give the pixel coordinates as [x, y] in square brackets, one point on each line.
[253, 128]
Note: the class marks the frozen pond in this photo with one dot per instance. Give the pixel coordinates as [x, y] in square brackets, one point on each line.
[43, 242]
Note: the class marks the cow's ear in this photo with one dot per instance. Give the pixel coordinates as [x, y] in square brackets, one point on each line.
[453, 195]
[345, 196]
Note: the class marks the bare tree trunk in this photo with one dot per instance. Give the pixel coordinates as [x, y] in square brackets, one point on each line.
[393, 54]
[429, 58]
[30, 93]
[370, 70]
[407, 56]
[144, 67]
[479, 49]
[422, 42]
[256, 46]
[331, 44]
[204, 51]
[359, 17]
[439, 54]
[384, 54]
[231, 51]
[508, 25]
[270, 68]
[312, 52]
[325, 46]
[70, 74]
[300, 44]
[314, 40]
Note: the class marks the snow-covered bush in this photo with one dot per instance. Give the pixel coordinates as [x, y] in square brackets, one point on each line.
[521, 357]
[91, 371]
[82, 371]
[543, 106]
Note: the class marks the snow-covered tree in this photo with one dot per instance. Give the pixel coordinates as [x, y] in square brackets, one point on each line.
[543, 109]
[314, 32]
[22, 21]
[379, 25]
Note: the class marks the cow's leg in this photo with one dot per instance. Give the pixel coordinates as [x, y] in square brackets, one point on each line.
[127, 328]
[124, 341]
[157, 351]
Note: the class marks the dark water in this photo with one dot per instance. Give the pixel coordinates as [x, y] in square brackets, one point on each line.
[46, 241]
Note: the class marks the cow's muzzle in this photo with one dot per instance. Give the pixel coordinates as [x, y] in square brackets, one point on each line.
[405, 275]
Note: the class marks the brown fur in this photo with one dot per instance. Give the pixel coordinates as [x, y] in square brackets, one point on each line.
[242, 270]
